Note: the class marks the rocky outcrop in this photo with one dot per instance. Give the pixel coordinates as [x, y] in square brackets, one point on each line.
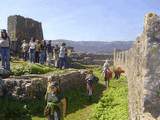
[142, 63]
[34, 86]
[4, 73]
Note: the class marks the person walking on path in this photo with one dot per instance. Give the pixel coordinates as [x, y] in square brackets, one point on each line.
[5, 50]
[32, 47]
[56, 56]
[25, 47]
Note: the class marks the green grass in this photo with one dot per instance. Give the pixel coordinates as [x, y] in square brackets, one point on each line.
[114, 103]
[19, 68]
[110, 104]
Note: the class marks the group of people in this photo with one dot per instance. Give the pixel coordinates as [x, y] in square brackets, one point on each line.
[41, 52]
[35, 51]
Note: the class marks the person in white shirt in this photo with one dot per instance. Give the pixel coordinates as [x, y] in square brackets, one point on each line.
[62, 56]
[5, 50]
[32, 47]
[105, 72]
[24, 47]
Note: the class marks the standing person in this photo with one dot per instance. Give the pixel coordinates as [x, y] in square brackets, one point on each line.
[62, 56]
[25, 47]
[45, 45]
[32, 47]
[37, 51]
[90, 79]
[56, 102]
[42, 53]
[5, 50]
[49, 52]
[56, 56]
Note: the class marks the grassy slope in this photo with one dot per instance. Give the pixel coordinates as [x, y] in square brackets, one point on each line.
[111, 106]
[114, 103]
[20, 68]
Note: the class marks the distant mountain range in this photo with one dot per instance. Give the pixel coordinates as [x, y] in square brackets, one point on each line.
[96, 47]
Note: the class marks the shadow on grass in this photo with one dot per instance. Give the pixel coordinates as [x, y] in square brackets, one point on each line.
[78, 99]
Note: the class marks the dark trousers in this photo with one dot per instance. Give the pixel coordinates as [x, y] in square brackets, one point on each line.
[25, 56]
[5, 56]
[62, 62]
[32, 55]
[37, 57]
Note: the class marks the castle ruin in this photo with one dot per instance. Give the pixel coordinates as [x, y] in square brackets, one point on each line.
[20, 28]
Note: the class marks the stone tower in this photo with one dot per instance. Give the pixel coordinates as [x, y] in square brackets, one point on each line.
[20, 28]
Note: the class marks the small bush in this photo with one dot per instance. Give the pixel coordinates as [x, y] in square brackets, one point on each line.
[12, 109]
[28, 68]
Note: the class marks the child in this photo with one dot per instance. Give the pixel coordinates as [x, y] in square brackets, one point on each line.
[90, 78]
[56, 102]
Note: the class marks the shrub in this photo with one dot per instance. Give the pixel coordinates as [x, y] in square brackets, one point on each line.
[28, 68]
[13, 110]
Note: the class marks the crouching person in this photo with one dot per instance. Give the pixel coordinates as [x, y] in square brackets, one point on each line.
[56, 103]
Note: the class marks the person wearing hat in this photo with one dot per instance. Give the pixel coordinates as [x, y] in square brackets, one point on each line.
[5, 49]
[25, 47]
[56, 103]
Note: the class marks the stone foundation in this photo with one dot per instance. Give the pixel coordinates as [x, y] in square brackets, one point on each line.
[34, 86]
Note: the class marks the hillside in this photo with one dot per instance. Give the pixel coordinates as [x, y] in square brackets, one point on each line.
[98, 47]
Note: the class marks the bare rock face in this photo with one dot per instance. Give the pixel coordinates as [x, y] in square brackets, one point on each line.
[142, 63]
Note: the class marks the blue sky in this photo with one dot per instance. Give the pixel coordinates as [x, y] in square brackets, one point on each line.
[96, 20]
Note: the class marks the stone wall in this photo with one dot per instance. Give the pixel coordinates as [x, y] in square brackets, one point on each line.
[20, 28]
[34, 86]
[142, 66]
